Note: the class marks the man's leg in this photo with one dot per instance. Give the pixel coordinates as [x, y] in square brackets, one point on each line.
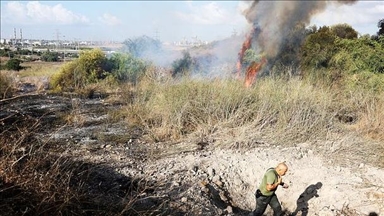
[261, 204]
[275, 205]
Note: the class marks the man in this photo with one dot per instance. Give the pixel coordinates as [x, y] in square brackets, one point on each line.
[265, 194]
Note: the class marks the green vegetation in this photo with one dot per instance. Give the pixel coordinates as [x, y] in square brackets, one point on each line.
[94, 67]
[12, 64]
[331, 55]
[89, 68]
[49, 56]
[126, 68]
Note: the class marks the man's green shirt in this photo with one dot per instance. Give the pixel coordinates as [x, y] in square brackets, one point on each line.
[270, 177]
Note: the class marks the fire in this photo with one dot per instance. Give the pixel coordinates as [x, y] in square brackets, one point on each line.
[254, 67]
[252, 70]
[246, 45]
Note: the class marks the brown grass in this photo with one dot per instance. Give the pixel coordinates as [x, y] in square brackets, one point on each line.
[280, 111]
[37, 180]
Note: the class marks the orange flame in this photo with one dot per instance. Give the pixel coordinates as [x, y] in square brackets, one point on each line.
[246, 45]
[252, 70]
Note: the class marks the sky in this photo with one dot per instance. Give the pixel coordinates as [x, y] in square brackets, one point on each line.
[168, 21]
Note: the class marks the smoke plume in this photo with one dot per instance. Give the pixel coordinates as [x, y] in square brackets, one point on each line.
[276, 18]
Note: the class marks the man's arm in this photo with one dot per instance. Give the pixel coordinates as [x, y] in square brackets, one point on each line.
[271, 187]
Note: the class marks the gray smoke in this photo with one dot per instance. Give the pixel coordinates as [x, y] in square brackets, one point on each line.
[275, 19]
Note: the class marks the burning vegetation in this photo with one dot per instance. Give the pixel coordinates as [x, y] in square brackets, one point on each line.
[271, 23]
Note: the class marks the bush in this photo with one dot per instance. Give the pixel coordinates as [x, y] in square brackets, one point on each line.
[182, 66]
[87, 69]
[13, 64]
[49, 56]
[125, 67]
[93, 66]
[335, 53]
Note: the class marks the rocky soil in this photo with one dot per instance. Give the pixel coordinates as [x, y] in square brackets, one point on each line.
[201, 177]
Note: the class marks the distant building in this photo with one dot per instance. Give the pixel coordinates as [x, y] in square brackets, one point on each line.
[36, 43]
[192, 43]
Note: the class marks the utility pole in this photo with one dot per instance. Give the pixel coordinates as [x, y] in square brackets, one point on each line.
[64, 48]
[57, 39]
[21, 37]
[14, 36]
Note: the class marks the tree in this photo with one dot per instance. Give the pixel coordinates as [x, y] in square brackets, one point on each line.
[318, 49]
[142, 46]
[344, 31]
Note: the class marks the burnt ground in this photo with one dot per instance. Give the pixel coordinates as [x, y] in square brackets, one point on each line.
[83, 162]
[92, 151]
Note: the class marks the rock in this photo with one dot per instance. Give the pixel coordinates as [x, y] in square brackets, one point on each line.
[184, 199]
[205, 190]
[215, 178]
[237, 182]
[223, 197]
[229, 210]
[210, 171]
[310, 153]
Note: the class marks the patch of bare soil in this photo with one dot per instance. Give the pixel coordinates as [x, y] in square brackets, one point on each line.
[194, 177]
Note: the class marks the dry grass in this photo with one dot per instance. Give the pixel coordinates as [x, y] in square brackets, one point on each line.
[6, 85]
[39, 69]
[34, 73]
[275, 110]
[36, 180]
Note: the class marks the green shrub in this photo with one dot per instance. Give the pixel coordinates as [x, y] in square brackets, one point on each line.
[125, 67]
[49, 56]
[93, 66]
[13, 64]
[68, 78]
[75, 75]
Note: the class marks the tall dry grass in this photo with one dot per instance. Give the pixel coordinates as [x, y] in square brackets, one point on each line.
[6, 85]
[287, 110]
[39, 69]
